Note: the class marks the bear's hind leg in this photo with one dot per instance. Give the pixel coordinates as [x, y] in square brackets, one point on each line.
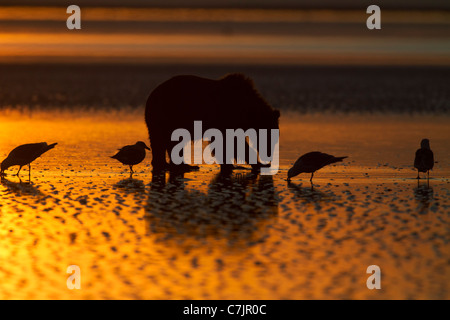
[159, 155]
[226, 168]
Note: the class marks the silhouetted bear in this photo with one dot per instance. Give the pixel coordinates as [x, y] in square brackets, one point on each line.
[231, 102]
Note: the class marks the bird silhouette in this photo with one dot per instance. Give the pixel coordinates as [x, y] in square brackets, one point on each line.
[311, 162]
[424, 160]
[132, 154]
[24, 155]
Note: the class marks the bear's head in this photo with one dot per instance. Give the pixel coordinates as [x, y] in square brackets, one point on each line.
[249, 103]
[251, 108]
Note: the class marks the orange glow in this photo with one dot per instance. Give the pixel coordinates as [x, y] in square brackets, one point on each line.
[219, 15]
[245, 36]
[240, 48]
[133, 240]
[203, 235]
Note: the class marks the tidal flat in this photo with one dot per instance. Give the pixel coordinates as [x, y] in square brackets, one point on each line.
[203, 235]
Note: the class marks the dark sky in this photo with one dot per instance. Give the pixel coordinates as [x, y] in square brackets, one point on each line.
[332, 4]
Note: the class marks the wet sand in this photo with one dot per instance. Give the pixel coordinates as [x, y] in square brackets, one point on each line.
[207, 236]
[302, 88]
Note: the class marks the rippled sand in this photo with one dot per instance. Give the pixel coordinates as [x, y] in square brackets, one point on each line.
[208, 236]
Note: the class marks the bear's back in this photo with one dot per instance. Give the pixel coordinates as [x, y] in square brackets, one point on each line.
[229, 102]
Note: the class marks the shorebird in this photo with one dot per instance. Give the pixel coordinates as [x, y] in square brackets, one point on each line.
[25, 154]
[132, 154]
[311, 162]
[424, 160]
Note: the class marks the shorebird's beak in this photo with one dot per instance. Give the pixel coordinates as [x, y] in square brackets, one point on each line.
[147, 147]
[289, 175]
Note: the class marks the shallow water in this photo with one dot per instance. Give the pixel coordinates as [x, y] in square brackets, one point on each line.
[207, 236]
[230, 35]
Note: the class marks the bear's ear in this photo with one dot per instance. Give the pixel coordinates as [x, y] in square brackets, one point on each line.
[276, 114]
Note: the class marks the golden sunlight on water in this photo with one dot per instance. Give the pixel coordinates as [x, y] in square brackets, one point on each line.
[214, 14]
[239, 48]
[223, 35]
[186, 14]
[208, 236]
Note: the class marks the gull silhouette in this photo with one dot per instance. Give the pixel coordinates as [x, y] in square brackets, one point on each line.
[25, 154]
[311, 162]
[424, 160]
[132, 154]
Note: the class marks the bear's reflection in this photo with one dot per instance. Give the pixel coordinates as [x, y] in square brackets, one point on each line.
[236, 207]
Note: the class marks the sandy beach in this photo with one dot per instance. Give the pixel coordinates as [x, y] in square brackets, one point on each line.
[203, 235]
[366, 83]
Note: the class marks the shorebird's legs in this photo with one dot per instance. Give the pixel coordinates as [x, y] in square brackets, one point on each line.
[17, 174]
[428, 175]
[29, 171]
[418, 176]
[131, 169]
[312, 174]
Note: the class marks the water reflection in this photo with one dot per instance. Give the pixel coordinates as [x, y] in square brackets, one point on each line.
[21, 187]
[131, 185]
[424, 195]
[309, 194]
[236, 207]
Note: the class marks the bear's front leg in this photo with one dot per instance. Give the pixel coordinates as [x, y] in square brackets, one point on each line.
[177, 168]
